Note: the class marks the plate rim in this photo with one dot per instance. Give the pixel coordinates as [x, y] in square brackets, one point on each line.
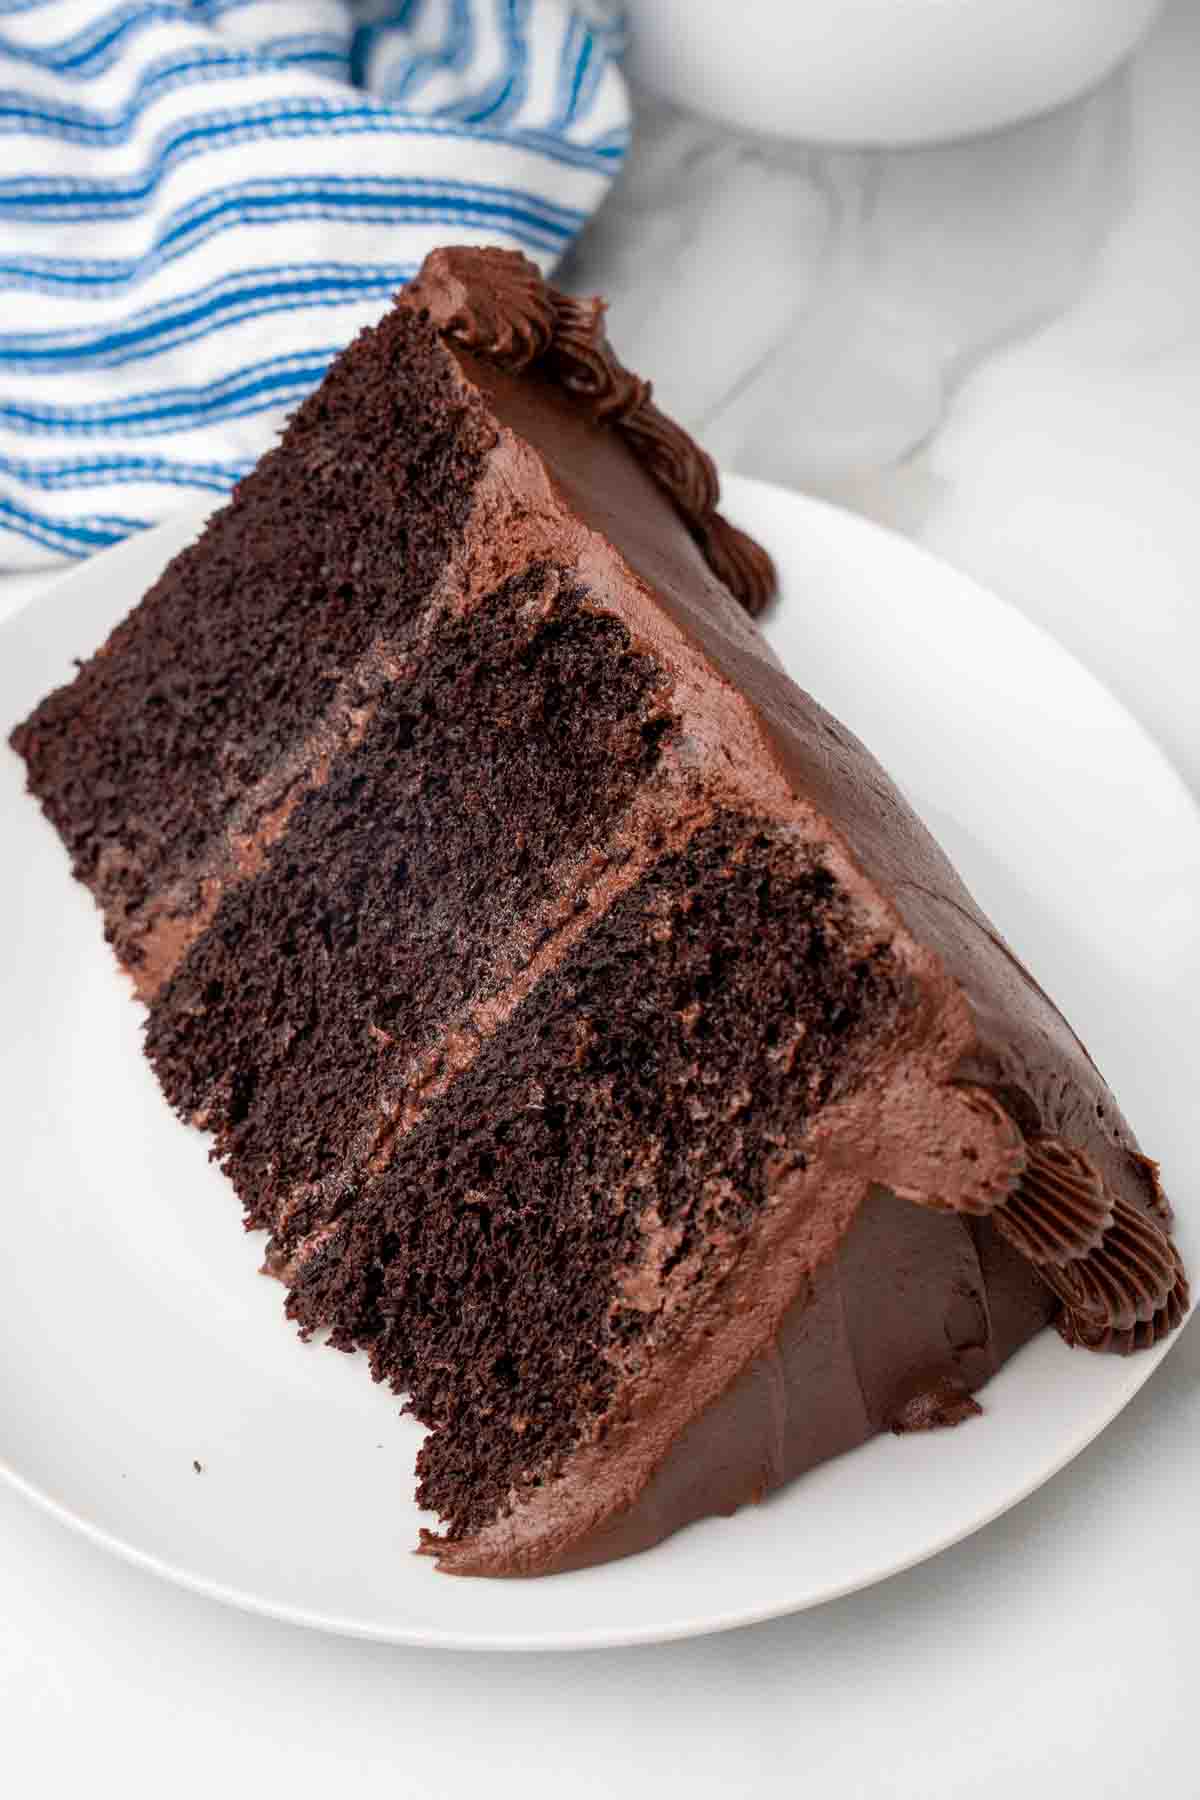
[176, 531]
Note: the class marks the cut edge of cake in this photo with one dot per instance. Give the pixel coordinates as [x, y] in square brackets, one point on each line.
[685, 787]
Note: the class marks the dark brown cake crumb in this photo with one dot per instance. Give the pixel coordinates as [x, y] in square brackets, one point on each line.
[492, 1270]
[580, 1008]
[238, 649]
[520, 736]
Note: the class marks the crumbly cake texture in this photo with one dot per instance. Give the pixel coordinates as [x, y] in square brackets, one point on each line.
[607, 1050]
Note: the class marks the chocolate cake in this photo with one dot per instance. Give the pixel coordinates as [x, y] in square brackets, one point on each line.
[607, 1050]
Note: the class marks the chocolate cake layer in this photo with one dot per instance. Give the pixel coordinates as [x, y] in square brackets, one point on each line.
[910, 1315]
[604, 1159]
[608, 1049]
[407, 887]
[158, 764]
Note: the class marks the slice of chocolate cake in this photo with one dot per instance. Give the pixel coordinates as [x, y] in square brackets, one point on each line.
[604, 1045]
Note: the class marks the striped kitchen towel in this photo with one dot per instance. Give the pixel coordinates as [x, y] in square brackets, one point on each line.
[201, 201]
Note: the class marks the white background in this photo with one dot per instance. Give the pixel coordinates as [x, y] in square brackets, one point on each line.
[1055, 1653]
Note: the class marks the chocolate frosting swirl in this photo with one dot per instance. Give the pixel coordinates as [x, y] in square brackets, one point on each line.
[742, 564]
[1123, 1282]
[1115, 1270]
[582, 361]
[1059, 1210]
[493, 302]
[1118, 1275]
[496, 304]
[1080, 1329]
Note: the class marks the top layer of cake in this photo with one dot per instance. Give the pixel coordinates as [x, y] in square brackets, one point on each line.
[607, 1048]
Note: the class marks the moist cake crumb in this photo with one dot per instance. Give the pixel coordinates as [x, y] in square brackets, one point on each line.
[609, 1054]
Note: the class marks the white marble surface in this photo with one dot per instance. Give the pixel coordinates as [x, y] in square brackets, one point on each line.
[994, 347]
[991, 345]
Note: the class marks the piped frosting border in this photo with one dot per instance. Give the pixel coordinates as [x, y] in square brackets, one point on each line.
[496, 304]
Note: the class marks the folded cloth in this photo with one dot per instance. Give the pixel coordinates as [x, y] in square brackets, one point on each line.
[201, 201]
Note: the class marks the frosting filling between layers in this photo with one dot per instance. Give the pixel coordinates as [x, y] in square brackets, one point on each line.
[553, 476]
[609, 1049]
[819, 1388]
[410, 886]
[1025, 1064]
[235, 656]
[517, 511]
[620, 1120]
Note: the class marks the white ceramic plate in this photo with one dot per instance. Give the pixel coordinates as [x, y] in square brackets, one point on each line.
[137, 1339]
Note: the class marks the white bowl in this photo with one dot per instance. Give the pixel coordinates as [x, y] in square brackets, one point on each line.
[879, 71]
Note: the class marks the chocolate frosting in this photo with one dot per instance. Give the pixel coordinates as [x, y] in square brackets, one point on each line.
[1112, 1266]
[972, 1183]
[981, 1184]
[1060, 1208]
[495, 304]
[1127, 1280]
[1098, 1332]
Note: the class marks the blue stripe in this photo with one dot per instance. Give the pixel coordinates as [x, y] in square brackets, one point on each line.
[610, 33]
[40, 196]
[210, 11]
[366, 37]
[464, 102]
[532, 222]
[588, 75]
[107, 471]
[96, 48]
[72, 537]
[24, 114]
[505, 93]
[247, 294]
[41, 342]
[407, 76]
[599, 153]
[614, 142]
[253, 389]
[567, 56]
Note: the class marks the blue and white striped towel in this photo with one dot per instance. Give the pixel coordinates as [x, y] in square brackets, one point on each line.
[201, 201]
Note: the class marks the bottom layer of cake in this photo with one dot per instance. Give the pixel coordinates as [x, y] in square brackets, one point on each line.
[566, 1216]
[911, 1317]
